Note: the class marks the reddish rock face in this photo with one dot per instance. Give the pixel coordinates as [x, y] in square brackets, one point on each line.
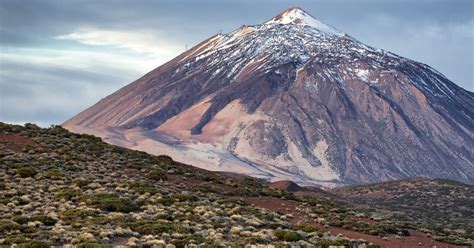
[294, 99]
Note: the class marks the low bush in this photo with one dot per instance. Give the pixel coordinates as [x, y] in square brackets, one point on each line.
[72, 214]
[93, 245]
[164, 161]
[54, 174]
[15, 240]
[152, 228]
[286, 235]
[33, 244]
[331, 243]
[142, 187]
[26, 171]
[82, 182]
[307, 228]
[67, 194]
[20, 219]
[171, 199]
[46, 220]
[8, 226]
[113, 203]
[157, 175]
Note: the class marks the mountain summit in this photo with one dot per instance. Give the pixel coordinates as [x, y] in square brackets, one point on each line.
[298, 16]
[294, 99]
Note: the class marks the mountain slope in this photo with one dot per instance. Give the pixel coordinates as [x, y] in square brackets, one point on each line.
[294, 99]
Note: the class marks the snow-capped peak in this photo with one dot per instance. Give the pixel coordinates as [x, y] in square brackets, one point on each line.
[298, 16]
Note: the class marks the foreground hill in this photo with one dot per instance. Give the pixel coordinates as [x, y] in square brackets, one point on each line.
[59, 188]
[441, 205]
[294, 99]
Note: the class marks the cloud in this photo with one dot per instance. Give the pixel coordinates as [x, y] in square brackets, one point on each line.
[141, 42]
[48, 86]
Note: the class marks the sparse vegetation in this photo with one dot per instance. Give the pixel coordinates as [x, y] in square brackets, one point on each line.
[26, 171]
[441, 208]
[54, 174]
[157, 175]
[63, 188]
[286, 235]
[112, 203]
[33, 244]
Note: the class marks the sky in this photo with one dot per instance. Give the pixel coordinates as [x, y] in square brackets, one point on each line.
[59, 57]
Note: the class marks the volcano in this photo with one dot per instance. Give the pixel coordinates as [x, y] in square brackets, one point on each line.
[294, 99]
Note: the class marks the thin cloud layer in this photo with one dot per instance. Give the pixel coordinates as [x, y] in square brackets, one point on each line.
[141, 42]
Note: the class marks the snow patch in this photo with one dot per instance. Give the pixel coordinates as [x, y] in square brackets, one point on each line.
[298, 16]
[363, 74]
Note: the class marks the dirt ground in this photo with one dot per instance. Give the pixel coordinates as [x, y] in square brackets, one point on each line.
[416, 238]
[15, 142]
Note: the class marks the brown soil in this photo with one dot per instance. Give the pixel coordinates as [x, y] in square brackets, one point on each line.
[285, 185]
[15, 142]
[284, 206]
[416, 238]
